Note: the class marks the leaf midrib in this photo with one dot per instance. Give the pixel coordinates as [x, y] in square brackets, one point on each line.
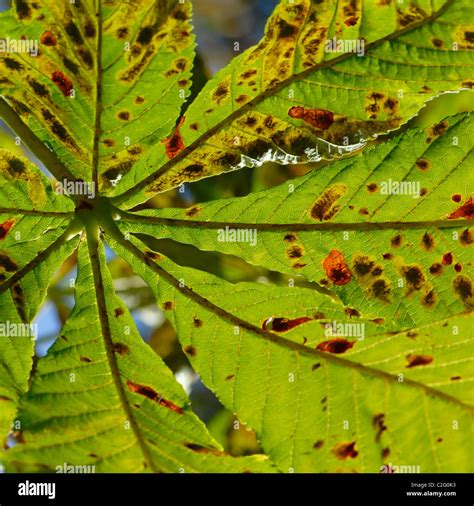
[93, 246]
[297, 227]
[259, 98]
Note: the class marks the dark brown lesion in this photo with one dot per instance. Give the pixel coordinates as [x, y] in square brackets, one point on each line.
[325, 207]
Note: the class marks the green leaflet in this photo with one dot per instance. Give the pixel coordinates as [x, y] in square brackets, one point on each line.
[101, 398]
[289, 100]
[315, 411]
[102, 90]
[404, 258]
[33, 243]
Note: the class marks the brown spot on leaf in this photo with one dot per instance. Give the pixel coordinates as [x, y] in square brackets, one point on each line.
[109, 143]
[336, 268]
[455, 378]
[285, 29]
[139, 100]
[429, 299]
[411, 15]
[467, 237]
[89, 29]
[447, 259]
[5, 228]
[414, 277]
[436, 269]
[192, 211]
[319, 444]
[290, 238]
[344, 451]
[194, 126]
[145, 35]
[458, 267]
[465, 211]
[174, 143]
[372, 187]
[295, 252]
[48, 39]
[190, 350]
[378, 321]
[63, 82]
[385, 452]
[381, 290]
[416, 360]
[351, 21]
[283, 324]
[202, 449]
[168, 305]
[337, 345]
[462, 286]
[437, 42]
[241, 99]
[315, 366]
[221, 92]
[427, 242]
[197, 322]
[154, 396]
[351, 312]
[438, 129]
[152, 255]
[230, 377]
[121, 348]
[378, 423]
[325, 207]
[387, 256]
[12, 64]
[423, 164]
[118, 311]
[123, 115]
[85, 359]
[362, 265]
[390, 105]
[456, 198]
[318, 118]
[122, 32]
[7, 263]
[396, 241]
[74, 33]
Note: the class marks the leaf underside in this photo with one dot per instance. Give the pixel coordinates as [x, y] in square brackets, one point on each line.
[102, 103]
